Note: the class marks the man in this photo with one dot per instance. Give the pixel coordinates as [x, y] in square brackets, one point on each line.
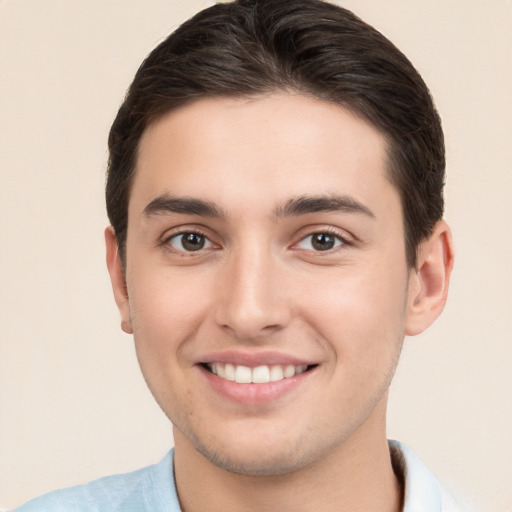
[275, 193]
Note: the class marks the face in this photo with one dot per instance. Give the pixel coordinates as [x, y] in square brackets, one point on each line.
[266, 277]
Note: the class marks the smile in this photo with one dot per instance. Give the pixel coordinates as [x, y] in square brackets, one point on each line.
[258, 375]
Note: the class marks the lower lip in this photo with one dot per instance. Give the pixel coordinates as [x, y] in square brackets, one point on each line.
[255, 394]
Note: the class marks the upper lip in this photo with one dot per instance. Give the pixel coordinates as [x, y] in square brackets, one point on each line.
[254, 358]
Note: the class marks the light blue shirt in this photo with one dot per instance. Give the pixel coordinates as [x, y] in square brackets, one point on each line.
[152, 489]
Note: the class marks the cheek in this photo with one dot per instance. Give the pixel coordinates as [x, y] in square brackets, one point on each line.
[360, 316]
[164, 301]
[166, 311]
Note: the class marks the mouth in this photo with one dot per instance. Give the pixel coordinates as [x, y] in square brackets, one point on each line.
[261, 374]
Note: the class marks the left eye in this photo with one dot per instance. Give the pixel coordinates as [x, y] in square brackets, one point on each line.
[320, 242]
[189, 242]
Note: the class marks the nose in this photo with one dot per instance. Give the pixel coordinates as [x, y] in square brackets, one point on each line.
[252, 301]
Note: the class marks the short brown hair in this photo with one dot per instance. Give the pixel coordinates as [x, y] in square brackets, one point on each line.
[246, 48]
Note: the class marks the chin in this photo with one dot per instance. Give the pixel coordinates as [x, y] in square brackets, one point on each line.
[255, 464]
[258, 453]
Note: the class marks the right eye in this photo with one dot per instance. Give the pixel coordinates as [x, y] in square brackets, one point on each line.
[322, 241]
[189, 242]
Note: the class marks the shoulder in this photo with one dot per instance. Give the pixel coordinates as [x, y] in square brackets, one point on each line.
[151, 488]
[423, 492]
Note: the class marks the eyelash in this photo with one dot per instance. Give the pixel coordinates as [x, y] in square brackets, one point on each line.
[329, 232]
[182, 252]
[326, 231]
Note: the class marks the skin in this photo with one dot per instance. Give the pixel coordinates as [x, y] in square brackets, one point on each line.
[259, 288]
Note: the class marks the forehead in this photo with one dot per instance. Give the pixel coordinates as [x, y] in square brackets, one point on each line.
[253, 151]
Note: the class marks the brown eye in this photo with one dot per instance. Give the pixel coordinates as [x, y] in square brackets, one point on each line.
[189, 242]
[320, 242]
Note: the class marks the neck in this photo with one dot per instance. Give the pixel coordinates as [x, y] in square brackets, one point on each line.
[356, 476]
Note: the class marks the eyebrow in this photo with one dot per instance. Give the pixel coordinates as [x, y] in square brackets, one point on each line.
[329, 203]
[182, 205]
[300, 205]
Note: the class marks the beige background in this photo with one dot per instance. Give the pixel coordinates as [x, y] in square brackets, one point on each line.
[73, 405]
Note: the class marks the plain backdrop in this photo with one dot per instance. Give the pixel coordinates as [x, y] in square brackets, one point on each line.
[73, 404]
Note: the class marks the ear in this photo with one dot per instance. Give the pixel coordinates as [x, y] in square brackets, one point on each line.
[117, 278]
[429, 281]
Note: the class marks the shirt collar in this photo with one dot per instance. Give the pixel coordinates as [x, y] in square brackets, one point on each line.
[422, 492]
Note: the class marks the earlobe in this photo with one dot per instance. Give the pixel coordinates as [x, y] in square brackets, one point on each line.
[429, 282]
[117, 278]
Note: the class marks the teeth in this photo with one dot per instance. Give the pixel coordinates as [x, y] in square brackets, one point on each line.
[261, 374]
[221, 370]
[229, 372]
[276, 373]
[289, 371]
[258, 375]
[243, 375]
